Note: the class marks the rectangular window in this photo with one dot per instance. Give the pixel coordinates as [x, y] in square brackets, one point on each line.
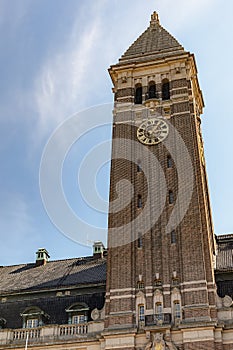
[169, 161]
[139, 201]
[177, 309]
[79, 319]
[173, 236]
[140, 241]
[139, 169]
[141, 313]
[158, 311]
[32, 323]
[171, 197]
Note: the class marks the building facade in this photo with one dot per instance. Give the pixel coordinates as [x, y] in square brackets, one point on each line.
[165, 281]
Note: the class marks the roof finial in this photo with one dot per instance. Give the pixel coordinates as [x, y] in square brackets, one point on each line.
[154, 19]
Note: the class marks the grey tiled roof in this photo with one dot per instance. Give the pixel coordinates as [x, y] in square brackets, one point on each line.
[155, 41]
[225, 253]
[54, 274]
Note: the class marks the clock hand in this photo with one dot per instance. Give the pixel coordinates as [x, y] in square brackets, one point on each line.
[155, 128]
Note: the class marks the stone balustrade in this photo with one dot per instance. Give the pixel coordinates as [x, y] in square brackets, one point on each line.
[50, 332]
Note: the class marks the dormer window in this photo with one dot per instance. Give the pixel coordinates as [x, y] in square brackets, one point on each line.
[77, 313]
[34, 317]
[138, 94]
[2, 323]
[32, 323]
[79, 319]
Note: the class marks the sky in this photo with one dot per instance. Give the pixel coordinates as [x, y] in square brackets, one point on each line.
[54, 57]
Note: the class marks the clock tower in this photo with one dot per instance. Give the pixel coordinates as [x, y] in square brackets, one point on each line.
[161, 247]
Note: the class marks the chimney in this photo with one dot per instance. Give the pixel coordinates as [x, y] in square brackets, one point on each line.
[98, 250]
[42, 257]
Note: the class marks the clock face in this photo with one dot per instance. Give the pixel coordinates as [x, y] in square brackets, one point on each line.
[152, 131]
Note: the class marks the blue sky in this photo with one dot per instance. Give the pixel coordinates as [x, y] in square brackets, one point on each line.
[54, 59]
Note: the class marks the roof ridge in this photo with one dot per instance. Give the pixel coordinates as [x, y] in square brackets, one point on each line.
[89, 257]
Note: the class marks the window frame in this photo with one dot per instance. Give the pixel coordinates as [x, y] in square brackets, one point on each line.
[166, 90]
[138, 94]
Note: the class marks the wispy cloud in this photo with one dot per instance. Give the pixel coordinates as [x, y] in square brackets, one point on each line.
[62, 84]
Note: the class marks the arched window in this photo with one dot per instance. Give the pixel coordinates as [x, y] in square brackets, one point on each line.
[34, 317]
[171, 197]
[152, 90]
[77, 313]
[158, 311]
[138, 94]
[165, 90]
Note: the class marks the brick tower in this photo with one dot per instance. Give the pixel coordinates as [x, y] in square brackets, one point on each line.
[160, 277]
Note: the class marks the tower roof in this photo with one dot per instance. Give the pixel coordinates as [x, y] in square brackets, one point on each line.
[155, 41]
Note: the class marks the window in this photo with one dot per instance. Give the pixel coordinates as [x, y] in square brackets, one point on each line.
[177, 313]
[140, 285]
[32, 323]
[171, 197]
[79, 319]
[139, 201]
[140, 241]
[138, 94]
[169, 161]
[173, 236]
[2, 323]
[139, 169]
[152, 90]
[165, 90]
[141, 313]
[78, 313]
[33, 317]
[158, 311]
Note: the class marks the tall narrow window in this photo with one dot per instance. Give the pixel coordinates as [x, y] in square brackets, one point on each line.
[139, 169]
[173, 236]
[141, 313]
[169, 161]
[171, 197]
[165, 90]
[152, 90]
[177, 313]
[138, 94]
[140, 241]
[158, 311]
[139, 201]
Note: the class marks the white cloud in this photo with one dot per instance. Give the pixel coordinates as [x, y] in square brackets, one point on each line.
[62, 85]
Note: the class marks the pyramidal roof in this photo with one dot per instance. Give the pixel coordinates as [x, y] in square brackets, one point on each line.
[155, 41]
